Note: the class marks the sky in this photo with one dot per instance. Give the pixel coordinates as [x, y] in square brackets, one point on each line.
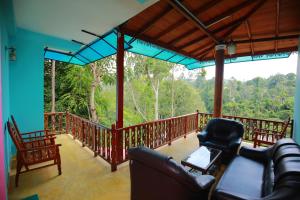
[244, 71]
[265, 68]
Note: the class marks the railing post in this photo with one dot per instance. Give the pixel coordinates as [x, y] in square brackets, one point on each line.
[292, 128]
[185, 126]
[197, 121]
[45, 121]
[67, 122]
[170, 132]
[114, 152]
[82, 133]
[95, 140]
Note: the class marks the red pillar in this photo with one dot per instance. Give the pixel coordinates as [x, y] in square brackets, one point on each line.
[120, 80]
[117, 134]
[220, 49]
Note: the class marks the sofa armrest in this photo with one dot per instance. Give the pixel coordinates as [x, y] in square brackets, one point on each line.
[202, 136]
[258, 154]
[235, 143]
[205, 181]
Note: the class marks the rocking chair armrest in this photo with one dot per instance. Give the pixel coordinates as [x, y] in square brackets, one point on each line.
[33, 132]
[37, 138]
[40, 147]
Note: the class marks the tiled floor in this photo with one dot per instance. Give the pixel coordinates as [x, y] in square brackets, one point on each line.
[85, 177]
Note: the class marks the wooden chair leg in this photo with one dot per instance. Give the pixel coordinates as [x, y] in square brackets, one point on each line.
[58, 163]
[19, 167]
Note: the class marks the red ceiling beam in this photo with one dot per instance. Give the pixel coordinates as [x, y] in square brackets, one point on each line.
[249, 36]
[179, 23]
[217, 19]
[286, 37]
[233, 26]
[277, 22]
[190, 16]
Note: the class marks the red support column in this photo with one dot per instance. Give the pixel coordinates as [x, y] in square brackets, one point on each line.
[120, 80]
[220, 49]
[120, 101]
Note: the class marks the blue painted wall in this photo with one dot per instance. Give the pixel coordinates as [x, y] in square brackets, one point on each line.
[297, 101]
[27, 77]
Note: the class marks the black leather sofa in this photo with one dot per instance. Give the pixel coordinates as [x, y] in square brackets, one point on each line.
[223, 134]
[268, 174]
[158, 177]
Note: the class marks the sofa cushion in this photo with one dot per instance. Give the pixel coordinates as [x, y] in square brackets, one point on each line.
[243, 178]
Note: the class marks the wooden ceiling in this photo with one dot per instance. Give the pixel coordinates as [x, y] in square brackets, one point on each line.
[194, 27]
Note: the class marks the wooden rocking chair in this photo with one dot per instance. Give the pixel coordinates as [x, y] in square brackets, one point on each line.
[269, 137]
[38, 149]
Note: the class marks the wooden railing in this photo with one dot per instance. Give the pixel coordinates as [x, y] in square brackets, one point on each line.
[249, 124]
[92, 135]
[54, 121]
[154, 134]
[112, 144]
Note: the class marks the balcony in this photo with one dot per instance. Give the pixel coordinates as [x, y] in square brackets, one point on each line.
[89, 153]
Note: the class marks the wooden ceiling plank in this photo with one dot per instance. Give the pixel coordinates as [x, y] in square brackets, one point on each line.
[150, 23]
[180, 22]
[238, 22]
[286, 37]
[228, 13]
[195, 20]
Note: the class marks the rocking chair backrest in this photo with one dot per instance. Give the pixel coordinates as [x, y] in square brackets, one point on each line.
[15, 135]
[15, 124]
[284, 127]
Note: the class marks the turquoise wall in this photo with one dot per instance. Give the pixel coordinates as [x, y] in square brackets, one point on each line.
[22, 80]
[27, 77]
[297, 101]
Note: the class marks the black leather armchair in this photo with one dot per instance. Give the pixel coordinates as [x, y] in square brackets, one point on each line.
[155, 176]
[271, 173]
[223, 134]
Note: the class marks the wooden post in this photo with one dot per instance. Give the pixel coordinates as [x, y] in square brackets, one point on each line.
[120, 80]
[114, 151]
[220, 49]
[67, 122]
[120, 95]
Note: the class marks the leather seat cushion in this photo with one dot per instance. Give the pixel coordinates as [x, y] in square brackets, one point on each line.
[243, 178]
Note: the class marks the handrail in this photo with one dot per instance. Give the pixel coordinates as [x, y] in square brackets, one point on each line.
[112, 144]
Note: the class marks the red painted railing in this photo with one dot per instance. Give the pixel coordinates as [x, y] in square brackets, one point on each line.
[112, 144]
[154, 134]
[54, 121]
[92, 135]
[249, 124]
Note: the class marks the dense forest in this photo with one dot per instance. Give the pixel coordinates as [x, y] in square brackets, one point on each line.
[155, 89]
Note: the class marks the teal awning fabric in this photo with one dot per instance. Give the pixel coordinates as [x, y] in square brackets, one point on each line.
[96, 50]
[106, 45]
[245, 59]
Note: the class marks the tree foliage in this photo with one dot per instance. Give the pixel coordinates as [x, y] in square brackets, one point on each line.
[151, 91]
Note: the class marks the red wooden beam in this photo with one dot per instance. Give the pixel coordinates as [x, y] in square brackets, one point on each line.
[249, 36]
[198, 11]
[211, 22]
[234, 25]
[277, 22]
[120, 80]
[190, 16]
